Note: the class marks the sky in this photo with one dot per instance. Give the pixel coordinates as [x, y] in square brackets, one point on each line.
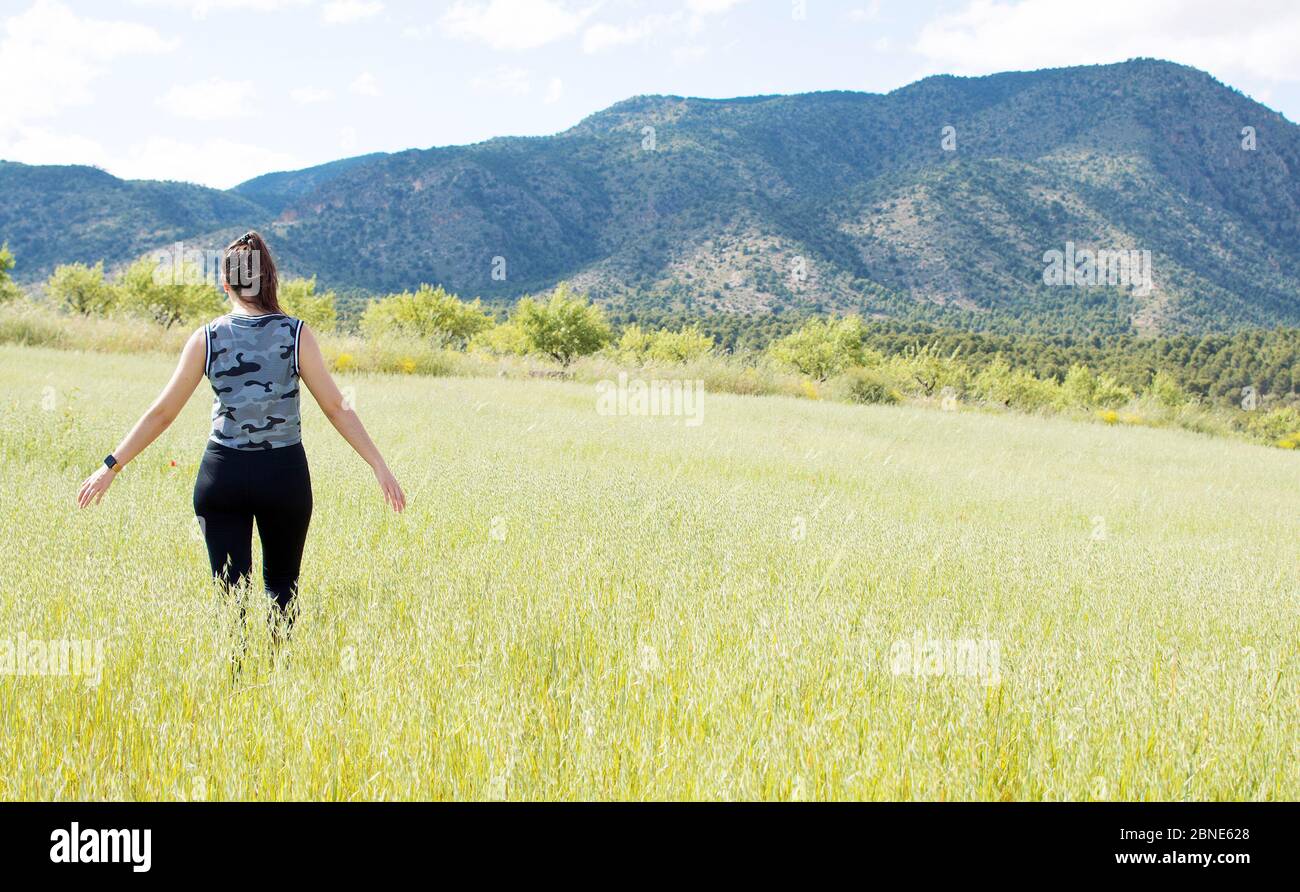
[219, 91]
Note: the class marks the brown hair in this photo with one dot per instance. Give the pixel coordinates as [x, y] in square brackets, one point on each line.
[249, 270]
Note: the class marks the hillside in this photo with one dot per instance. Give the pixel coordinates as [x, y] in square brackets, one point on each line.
[67, 213]
[827, 201]
[274, 191]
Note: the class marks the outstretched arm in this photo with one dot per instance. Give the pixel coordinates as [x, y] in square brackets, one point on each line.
[189, 371]
[312, 370]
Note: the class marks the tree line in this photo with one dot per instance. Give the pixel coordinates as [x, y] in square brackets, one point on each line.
[876, 360]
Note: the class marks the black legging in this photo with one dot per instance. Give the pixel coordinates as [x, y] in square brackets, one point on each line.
[273, 487]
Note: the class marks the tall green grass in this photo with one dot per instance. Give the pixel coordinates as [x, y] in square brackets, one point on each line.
[577, 605]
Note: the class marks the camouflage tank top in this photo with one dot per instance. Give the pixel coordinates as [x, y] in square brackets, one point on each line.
[252, 364]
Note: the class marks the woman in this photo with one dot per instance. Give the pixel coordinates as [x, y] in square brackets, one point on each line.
[254, 468]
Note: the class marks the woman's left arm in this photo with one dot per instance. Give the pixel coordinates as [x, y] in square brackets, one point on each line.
[188, 374]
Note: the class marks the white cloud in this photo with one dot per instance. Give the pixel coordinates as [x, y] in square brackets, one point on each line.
[554, 91]
[50, 57]
[310, 95]
[504, 81]
[1255, 39]
[215, 162]
[711, 7]
[868, 13]
[346, 12]
[365, 84]
[36, 145]
[512, 24]
[221, 163]
[417, 32]
[603, 36]
[685, 55]
[200, 9]
[211, 100]
[701, 10]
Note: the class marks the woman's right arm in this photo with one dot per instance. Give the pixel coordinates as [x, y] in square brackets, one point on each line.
[188, 374]
[312, 370]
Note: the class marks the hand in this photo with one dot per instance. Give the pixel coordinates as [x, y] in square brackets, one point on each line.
[392, 491]
[94, 488]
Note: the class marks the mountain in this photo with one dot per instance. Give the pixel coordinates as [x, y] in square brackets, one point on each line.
[833, 201]
[275, 191]
[52, 214]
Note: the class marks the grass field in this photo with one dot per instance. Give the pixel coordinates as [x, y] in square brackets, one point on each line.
[576, 605]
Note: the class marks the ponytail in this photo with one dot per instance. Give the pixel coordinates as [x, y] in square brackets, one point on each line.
[249, 270]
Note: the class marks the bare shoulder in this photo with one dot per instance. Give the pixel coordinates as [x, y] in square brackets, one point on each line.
[196, 345]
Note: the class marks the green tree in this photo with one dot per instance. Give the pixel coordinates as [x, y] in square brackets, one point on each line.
[999, 383]
[633, 344]
[8, 290]
[565, 327]
[1165, 390]
[507, 338]
[299, 298]
[1079, 387]
[167, 299]
[823, 347]
[1276, 424]
[638, 345]
[82, 288]
[427, 313]
[1110, 393]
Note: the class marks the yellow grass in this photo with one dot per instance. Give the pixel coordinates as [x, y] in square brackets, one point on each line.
[579, 605]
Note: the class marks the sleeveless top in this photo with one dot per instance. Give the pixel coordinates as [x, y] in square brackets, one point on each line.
[252, 364]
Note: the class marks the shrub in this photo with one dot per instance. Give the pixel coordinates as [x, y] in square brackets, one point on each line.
[429, 313]
[142, 293]
[565, 327]
[1015, 388]
[1276, 424]
[680, 346]
[1079, 389]
[633, 344]
[866, 385]
[1165, 390]
[8, 290]
[930, 372]
[82, 289]
[1110, 393]
[299, 298]
[639, 346]
[823, 348]
[506, 339]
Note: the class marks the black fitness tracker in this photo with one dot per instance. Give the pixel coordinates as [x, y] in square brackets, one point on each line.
[111, 463]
